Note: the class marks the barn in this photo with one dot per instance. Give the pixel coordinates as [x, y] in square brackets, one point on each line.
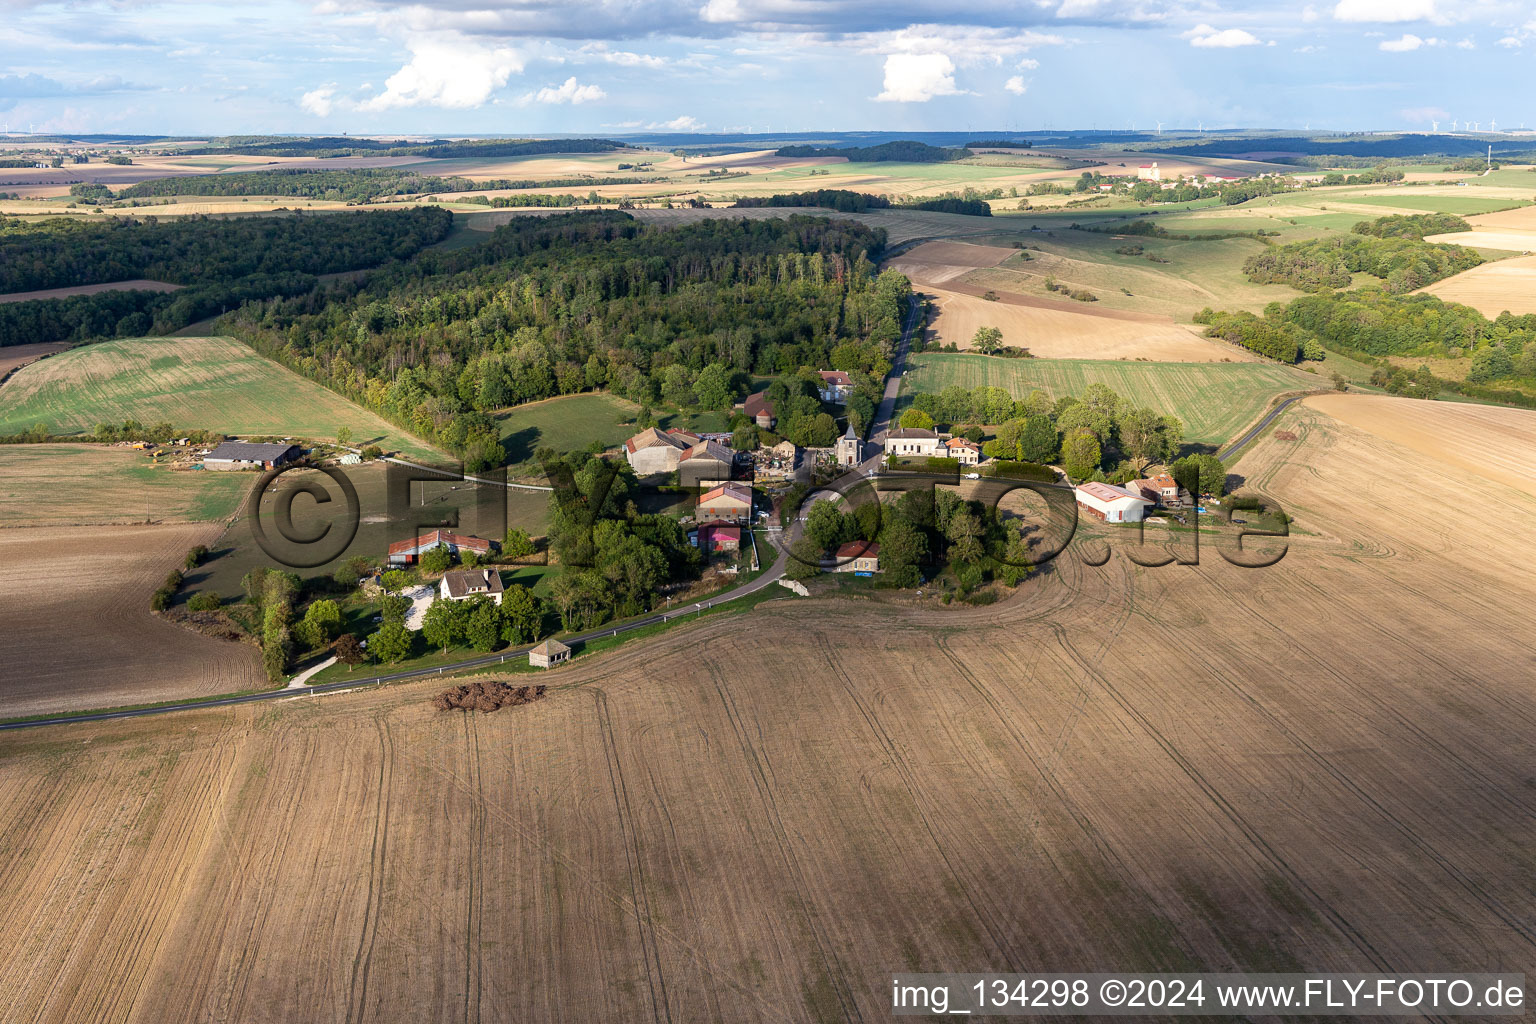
[1111, 504]
[246, 455]
[731, 502]
[405, 552]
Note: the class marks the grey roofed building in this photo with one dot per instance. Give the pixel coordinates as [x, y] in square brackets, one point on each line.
[239, 454]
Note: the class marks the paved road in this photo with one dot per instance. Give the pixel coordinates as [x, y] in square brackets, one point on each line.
[887, 407]
[768, 578]
[1248, 438]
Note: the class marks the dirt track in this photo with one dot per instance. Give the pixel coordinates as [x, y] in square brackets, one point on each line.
[1321, 765]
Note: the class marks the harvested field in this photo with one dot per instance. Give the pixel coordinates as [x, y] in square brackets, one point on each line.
[1490, 442]
[78, 629]
[138, 285]
[1214, 400]
[1493, 288]
[94, 485]
[934, 263]
[1514, 230]
[205, 383]
[1051, 331]
[755, 820]
[14, 357]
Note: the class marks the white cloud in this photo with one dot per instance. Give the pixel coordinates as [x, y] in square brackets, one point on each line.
[1425, 115]
[966, 45]
[1206, 36]
[319, 102]
[1309, 13]
[1028, 64]
[917, 78]
[1384, 10]
[1407, 44]
[717, 11]
[1466, 44]
[449, 71]
[684, 123]
[570, 91]
[1015, 85]
[1510, 42]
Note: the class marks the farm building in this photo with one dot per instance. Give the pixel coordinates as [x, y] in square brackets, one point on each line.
[717, 537]
[759, 410]
[966, 451]
[1160, 487]
[732, 502]
[653, 452]
[858, 556]
[1111, 504]
[463, 584]
[549, 654]
[850, 450]
[706, 463]
[405, 552]
[911, 441]
[245, 455]
[836, 386]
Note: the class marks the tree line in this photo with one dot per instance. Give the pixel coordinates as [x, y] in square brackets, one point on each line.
[1403, 264]
[845, 201]
[903, 151]
[321, 146]
[352, 186]
[585, 301]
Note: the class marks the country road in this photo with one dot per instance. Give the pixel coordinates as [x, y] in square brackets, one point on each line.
[1252, 435]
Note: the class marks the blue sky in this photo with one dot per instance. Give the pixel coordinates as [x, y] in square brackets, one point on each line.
[487, 67]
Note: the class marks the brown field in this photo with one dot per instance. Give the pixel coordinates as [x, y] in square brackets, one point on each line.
[1493, 288]
[1050, 328]
[14, 357]
[98, 485]
[78, 629]
[1514, 230]
[1052, 331]
[138, 285]
[756, 819]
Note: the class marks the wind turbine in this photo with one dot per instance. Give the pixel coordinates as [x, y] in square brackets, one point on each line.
[1476, 125]
[1434, 126]
[1493, 124]
[1159, 127]
[1453, 124]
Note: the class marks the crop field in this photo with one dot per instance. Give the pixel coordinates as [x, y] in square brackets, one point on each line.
[78, 629]
[192, 383]
[756, 820]
[1214, 400]
[569, 423]
[14, 357]
[84, 485]
[1493, 288]
[137, 285]
[480, 511]
[1514, 230]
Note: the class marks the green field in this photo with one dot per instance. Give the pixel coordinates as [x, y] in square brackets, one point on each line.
[191, 383]
[80, 484]
[566, 424]
[1467, 205]
[1214, 400]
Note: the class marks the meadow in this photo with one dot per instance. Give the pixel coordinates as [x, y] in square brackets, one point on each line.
[753, 819]
[567, 424]
[192, 383]
[1214, 400]
[80, 484]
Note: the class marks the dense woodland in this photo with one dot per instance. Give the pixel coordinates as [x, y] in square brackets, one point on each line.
[588, 300]
[271, 145]
[223, 263]
[845, 201]
[887, 152]
[352, 186]
[1395, 252]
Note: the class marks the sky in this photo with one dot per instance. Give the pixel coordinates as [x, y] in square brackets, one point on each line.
[190, 67]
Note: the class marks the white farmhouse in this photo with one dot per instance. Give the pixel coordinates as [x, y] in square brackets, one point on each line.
[911, 441]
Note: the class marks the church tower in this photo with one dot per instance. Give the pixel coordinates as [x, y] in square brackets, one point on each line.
[849, 448]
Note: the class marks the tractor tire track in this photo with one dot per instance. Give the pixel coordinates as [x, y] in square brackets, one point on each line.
[362, 959]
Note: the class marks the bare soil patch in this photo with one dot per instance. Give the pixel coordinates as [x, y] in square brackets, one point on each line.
[14, 357]
[78, 629]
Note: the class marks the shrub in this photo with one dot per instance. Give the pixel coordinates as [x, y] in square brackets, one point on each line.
[204, 601]
[195, 557]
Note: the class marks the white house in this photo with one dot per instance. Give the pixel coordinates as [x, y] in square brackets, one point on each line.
[911, 441]
[964, 450]
[463, 584]
[1111, 504]
[835, 387]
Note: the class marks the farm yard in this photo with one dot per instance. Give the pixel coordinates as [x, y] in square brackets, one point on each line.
[743, 819]
[79, 485]
[192, 383]
[78, 629]
[1214, 400]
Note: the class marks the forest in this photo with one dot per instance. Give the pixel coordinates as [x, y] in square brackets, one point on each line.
[352, 186]
[1403, 263]
[582, 301]
[845, 201]
[903, 151]
[270, 145]
[223, 263]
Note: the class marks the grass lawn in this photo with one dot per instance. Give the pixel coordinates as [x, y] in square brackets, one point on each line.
[1214, 400]
[79, 484]
[566, 424]
[192, 383]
